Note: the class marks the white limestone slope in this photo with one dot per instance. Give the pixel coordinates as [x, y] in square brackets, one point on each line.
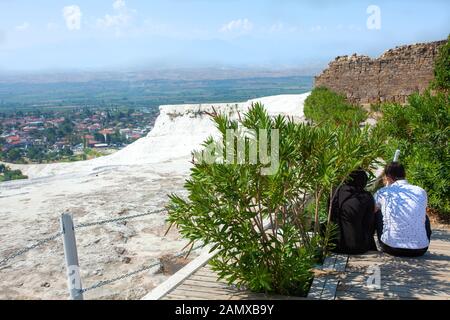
[182, 128]
[178, 130]
[135, 180]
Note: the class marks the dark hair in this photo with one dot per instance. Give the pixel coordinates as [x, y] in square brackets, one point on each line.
[395, 171]
[358, 179]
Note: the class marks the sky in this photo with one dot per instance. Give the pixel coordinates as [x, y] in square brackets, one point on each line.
[119, 34]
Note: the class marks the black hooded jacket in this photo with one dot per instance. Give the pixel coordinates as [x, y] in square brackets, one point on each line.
[353, 212]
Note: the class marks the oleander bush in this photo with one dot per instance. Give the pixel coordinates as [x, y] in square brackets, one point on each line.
[421, 130]
[326, 106]
[228, 205]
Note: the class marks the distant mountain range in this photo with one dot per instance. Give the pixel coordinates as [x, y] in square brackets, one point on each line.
[187, 74]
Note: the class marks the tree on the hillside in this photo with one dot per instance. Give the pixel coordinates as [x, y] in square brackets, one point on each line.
[65, 128]
[442, 68]
[13, 155]
[326, 106]
[50, 135]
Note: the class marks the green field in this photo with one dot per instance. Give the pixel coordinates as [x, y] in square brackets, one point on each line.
[144, 94]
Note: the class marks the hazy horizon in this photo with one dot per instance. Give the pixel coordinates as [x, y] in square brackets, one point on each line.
[115, 35]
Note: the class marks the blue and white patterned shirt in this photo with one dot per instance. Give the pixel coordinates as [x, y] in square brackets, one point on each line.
[404, 212]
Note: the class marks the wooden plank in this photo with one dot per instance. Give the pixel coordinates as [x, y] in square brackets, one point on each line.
[172, 296]
[329, 290]
[261, 296]
[418, 278]
[178, 297]
[399, 268]
[202, 296]
[368, 296]
[423, 260]
[356, 296]
[395, 287]
[399, 272]
[364, 295]
[431, 265]
[206, 279]
[427, 277]
[211, 295]
[210, 279]
[328, 263]
[341, 263]
[206, 284]
[315, 292]
[206, 273]
[215, 290]
[194, 290]
[211, 275]
[181, 275]
[439, 244]
[324, 286]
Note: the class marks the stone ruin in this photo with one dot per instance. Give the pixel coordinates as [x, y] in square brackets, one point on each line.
[392, 77]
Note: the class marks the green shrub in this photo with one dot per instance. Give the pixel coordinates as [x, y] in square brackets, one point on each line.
[421, 131]
[375, 107]
[442, 68]
[326, 106]
[228, 204]
[13, 155]
[7, 174]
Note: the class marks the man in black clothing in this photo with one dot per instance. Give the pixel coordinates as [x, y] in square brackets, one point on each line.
[353, 211]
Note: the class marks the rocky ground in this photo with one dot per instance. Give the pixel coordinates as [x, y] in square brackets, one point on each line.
[105, 251]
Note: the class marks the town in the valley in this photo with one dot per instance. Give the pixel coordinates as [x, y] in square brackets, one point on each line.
[43, 136]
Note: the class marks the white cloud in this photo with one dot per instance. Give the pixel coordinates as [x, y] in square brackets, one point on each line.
[237, 26]
[113, 21]
[120, 19]
[282, 28]
[72, 16]
[119, 4]
[24, 26]
[277, 27]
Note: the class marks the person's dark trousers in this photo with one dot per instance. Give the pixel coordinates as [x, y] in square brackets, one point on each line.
[398, 251]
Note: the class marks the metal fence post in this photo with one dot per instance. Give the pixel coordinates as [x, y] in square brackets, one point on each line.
[71, 255]
[396, 155]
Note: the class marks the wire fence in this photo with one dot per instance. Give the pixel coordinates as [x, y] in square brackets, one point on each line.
[145, 268]
[97, 223]
[40, 243]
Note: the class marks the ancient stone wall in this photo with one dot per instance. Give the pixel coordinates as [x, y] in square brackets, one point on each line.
[392, 77]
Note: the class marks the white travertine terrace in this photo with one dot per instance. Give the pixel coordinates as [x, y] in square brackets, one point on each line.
[132, 181]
